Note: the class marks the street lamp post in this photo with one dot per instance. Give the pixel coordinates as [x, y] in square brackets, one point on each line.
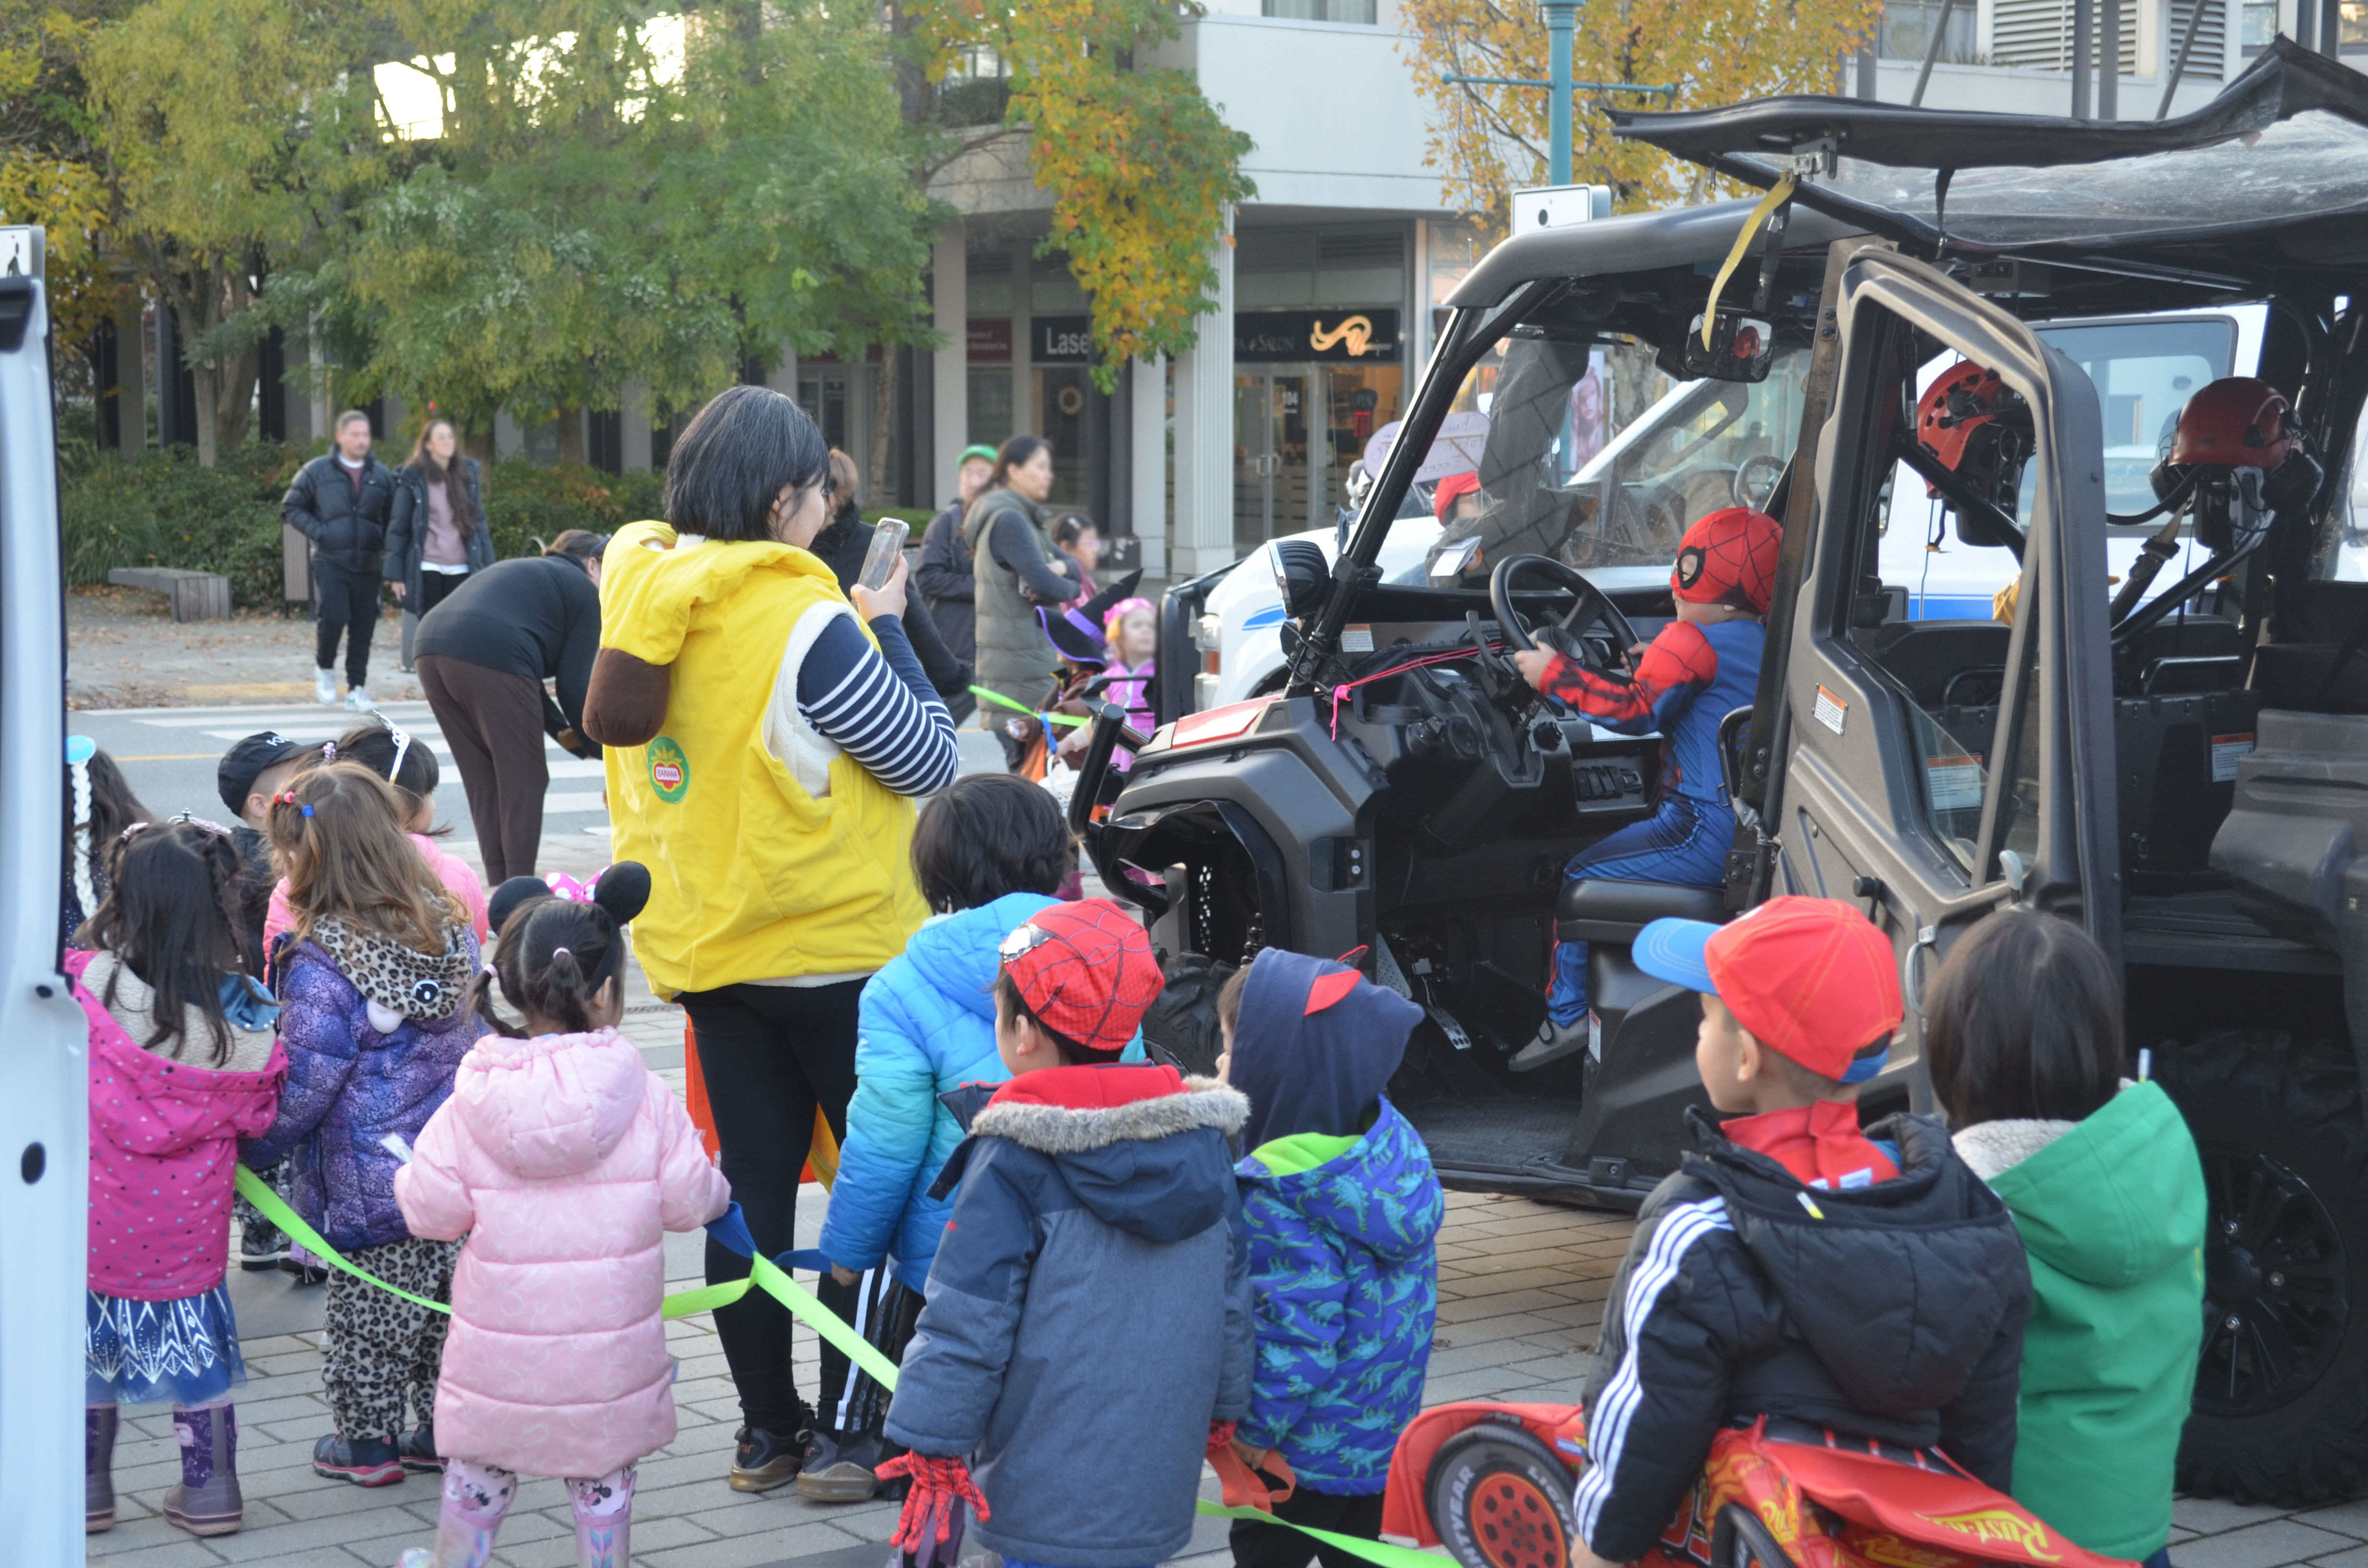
[1561, 16]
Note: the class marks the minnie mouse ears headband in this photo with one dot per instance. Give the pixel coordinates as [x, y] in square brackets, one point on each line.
[623, 889]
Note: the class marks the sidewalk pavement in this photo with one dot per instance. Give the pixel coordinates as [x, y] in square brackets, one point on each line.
[1522, 1292]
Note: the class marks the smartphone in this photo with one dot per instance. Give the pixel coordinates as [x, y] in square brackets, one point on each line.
[887, 544]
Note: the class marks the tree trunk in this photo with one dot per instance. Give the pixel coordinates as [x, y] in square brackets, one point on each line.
[884, 424]
[477, 440]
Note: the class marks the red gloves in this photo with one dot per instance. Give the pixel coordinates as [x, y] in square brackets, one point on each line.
[932, 1525]
[1243, 1472]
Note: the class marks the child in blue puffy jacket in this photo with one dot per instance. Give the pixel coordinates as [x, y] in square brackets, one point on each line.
[988, 851]
[1343, 1212]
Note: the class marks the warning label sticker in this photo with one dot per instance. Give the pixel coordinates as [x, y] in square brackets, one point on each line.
[1831, 710]
[1955, 782]
[1357, 639]
[2228, 751]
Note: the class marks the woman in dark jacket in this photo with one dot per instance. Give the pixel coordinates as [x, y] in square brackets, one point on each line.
[842, 545]
[1016, 570]
[484, 655]
[435, 534]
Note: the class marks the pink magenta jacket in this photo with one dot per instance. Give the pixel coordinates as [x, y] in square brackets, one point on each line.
[450, 868]
[164, 1154]
[562, 1159]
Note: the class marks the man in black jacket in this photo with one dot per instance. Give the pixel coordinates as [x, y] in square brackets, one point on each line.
[1794, 1267]
[340, 501]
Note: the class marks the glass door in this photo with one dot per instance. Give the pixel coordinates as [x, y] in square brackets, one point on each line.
[1278, 471]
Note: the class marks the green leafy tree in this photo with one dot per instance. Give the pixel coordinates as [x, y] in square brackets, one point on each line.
[48, 172]
[231, 131]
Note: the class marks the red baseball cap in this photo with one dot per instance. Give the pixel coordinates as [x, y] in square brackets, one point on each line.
[1086, 969]
[1810, 978]
[1729, 557]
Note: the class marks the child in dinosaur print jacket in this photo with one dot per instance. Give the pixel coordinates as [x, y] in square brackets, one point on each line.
[1343, 1212]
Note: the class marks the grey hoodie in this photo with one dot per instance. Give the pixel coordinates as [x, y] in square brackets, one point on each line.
[1089, 1311]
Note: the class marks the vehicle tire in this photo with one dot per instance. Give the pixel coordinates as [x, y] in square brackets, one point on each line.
[1181, 1025]
[2281, 1410]
[1499, 1498]
[1739, 1540]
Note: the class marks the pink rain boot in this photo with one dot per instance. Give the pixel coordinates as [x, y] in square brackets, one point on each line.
[475, 1498]
[604, 1519]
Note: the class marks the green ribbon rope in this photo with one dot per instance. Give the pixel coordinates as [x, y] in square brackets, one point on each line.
[765, 1275]
[1002, 701]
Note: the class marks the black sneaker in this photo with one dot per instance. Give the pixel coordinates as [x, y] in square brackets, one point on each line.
[762, 1460]
[305, 1273]
[261, 1248]
[417, 1449]
[365, 1461]
[840, 1469]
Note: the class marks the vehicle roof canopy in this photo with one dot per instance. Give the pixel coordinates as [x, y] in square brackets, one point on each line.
[2265, 187]
[1684, 239]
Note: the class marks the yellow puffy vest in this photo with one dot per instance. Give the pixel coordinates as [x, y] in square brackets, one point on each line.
[751, 878]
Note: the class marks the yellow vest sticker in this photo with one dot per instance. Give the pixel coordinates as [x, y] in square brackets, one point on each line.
[669, 769]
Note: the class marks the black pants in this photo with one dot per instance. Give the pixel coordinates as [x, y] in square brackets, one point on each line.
[851, 1402]
[493, 721]
[771, 1055]
[1259, 1545]
[346, 601]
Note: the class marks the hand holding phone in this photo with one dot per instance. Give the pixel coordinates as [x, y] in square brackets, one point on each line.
[887, 548]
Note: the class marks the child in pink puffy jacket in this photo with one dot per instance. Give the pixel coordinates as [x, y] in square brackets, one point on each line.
[562, 1159]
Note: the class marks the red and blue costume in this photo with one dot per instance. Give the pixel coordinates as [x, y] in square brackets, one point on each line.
[1692, 675]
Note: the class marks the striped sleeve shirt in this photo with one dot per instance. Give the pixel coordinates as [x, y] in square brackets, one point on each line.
[877, 706]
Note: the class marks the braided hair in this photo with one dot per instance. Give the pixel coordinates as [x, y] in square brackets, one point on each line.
[169, 915]
[554, 954]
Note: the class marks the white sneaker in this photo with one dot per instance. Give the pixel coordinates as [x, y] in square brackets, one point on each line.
[325, 687]
[358, 700]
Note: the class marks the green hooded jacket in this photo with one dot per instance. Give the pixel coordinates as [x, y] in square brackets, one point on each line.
[2112, 1212]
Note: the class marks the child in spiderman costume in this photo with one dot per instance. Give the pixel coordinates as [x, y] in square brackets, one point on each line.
[1703, 666]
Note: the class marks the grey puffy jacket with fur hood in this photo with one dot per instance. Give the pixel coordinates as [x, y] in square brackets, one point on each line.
[1089, 1311]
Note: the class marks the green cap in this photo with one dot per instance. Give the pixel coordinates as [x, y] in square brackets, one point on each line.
[989, 453]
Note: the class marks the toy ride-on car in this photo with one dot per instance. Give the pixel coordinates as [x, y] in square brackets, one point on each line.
[1495, 1484]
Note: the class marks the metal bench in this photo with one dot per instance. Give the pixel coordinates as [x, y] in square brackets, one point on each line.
[196, 595]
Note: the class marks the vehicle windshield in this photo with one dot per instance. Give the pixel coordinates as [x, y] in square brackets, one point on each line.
[1598, 459]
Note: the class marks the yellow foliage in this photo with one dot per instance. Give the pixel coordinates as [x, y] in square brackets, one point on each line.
[1487, 142]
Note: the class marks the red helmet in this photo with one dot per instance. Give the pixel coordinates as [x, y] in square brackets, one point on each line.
[1978, 427]
[2235, 422]
[2240, 454]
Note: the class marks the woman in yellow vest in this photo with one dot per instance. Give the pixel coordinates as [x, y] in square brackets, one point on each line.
[764, 742]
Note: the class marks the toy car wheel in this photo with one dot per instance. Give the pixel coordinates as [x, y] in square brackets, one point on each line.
[1739, 1540]
[1499, 1498]
[2281, 1410]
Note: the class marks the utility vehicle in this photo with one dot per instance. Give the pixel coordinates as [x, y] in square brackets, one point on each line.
[2184, 775]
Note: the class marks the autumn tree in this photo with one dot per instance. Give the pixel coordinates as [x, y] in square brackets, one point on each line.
[48, 174]
[230, 131]
[1487, 142]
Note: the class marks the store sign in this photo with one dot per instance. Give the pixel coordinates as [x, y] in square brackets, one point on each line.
[988, 341]
[1354, 336]
[1061, 340]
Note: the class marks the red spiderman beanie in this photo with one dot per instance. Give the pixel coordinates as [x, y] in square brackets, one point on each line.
[1729, 558]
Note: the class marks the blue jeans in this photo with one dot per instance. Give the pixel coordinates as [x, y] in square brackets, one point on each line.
[1684, 843]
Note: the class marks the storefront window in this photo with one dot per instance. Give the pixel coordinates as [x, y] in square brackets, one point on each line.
[2261, 24]
[1359, 12]
[1906, 31]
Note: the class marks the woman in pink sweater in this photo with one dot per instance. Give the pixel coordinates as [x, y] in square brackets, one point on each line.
[562, 1159]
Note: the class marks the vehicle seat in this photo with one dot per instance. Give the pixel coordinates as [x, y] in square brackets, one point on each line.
[1596, 910]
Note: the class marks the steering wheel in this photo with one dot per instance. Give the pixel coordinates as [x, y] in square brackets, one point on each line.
[1567, 635]
[1755, 480]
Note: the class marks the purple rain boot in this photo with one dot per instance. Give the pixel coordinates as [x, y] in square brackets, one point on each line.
[99, 1424]
[207, 1501]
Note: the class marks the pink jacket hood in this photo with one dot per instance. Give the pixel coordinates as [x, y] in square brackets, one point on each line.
[553, 1105]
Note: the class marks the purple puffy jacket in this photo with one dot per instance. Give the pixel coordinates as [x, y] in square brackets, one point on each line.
[347, 1087]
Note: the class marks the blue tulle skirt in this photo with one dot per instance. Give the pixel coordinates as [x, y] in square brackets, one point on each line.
[183, 1352]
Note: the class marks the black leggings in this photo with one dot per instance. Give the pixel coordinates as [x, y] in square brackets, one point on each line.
[770, 1055]
[1259, 1545]
[344, 600]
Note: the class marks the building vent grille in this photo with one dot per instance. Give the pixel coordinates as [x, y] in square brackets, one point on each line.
[1386, 248]
[2038, 33]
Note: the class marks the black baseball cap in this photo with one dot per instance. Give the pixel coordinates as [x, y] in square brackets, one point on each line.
[247, 759]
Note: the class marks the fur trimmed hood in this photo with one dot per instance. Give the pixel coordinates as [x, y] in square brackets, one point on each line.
[1058, 1123]
[1142, 1148]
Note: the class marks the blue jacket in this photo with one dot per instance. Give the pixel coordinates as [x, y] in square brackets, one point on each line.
[347, 1087]
[926, 1025]
[1087, 1315]
[1343, 1212]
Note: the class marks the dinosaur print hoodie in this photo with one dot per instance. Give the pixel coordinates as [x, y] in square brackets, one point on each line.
[1343, 1211]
